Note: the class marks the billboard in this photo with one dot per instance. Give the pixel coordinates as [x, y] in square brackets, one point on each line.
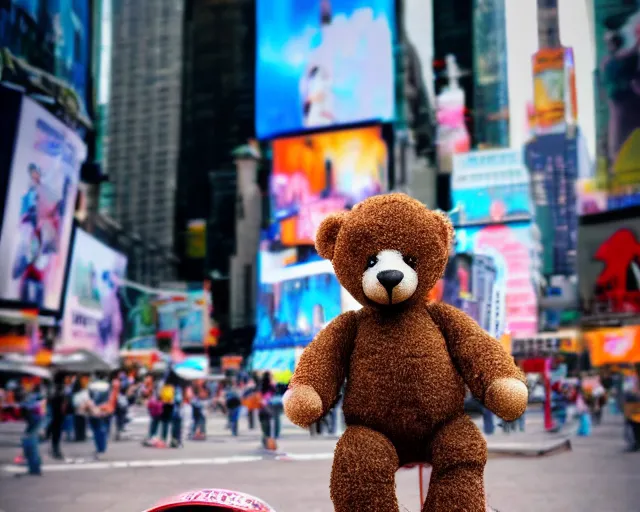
[555, 97]
[614, 346]
[512, 252]
[617, 24]
[609, 268]
[295, 299]
[39, 206]
[491, 186]
[323, 63]
[93, 317]
[555, 162]
[315, 175]
[53, 36]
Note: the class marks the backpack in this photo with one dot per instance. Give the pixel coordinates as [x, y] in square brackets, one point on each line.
[155, 407]
[167, 394]
[232, 399]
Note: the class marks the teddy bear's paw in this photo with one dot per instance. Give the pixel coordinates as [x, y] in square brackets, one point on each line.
[302, 405]
[508, 398]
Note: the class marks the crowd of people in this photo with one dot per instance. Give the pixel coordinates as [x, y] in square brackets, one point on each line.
[74, 405]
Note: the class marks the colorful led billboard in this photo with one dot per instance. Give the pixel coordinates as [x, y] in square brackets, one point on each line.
[323, 63]
[315, 175]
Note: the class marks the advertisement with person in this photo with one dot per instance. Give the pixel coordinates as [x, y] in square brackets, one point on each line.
[315, 175]
[323, 63]
[512, 249]
[139, 314]
[609, 268]
[51, 35]
[39, 205]
[617, 24]
[295, 299]
[93, 317]
[491, 186]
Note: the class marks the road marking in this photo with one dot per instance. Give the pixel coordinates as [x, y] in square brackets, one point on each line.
[14, 468]
[305, 456]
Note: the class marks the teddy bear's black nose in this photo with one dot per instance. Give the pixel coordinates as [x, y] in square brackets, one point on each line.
[390, 279]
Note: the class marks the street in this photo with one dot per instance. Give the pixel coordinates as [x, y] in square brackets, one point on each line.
[595, 476]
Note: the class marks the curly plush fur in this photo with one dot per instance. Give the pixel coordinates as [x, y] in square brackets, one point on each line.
[406, 366]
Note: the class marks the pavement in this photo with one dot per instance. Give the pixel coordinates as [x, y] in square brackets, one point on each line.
[596, 475]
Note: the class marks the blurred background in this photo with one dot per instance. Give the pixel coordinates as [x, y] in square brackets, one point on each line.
[165, 165]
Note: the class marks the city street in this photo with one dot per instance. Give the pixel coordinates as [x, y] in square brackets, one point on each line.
[596, 476]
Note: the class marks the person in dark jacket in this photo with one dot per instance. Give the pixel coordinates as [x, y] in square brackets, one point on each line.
[58, 406]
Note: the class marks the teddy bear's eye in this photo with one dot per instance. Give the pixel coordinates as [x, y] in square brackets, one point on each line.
[411, 261]
[371, 262]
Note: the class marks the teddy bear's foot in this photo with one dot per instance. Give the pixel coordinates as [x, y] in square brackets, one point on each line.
[457, 478]
[363, 475]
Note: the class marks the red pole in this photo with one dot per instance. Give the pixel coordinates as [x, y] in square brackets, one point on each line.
[548, 422]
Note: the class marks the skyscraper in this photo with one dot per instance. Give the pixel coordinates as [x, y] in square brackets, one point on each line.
[217, 116]
[144, 119]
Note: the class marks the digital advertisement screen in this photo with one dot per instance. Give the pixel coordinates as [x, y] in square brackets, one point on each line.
[51, 35]
[491, 186]
[609, 267]
[509, 251]
[617, 30]
[39, 208]
[193, 320]
[323, 63]
[294, 301]
[93, 318]
[315, 175]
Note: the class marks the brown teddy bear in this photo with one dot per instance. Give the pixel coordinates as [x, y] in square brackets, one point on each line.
[405, 361]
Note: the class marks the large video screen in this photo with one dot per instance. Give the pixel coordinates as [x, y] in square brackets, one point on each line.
[319, 174]
[294, 301]
[322, 63]
[39, 208]
[93, 318]
[51, 35]
[609, 267]
[617, 30]
[507, 252]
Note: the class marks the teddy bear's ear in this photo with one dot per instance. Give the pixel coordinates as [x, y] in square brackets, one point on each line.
[328, 233]
[447, 227]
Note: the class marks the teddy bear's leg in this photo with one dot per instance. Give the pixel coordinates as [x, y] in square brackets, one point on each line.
[459, 454]
[363, 475]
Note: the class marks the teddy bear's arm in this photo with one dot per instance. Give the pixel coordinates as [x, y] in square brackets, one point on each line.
[486, 367]
[324, 363]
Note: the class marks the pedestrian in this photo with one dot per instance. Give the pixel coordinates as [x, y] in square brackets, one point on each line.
[584, 416]
[58, 406]
[488, 421]
[155, 409]
[100, 409]
[32, 407]
[199, 425]
[176, 419]
[233, 404]
[266, 413]
[167, 397]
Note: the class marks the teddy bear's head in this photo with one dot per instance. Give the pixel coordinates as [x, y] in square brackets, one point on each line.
[389, 249]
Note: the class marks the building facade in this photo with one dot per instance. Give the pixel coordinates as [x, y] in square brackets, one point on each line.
[144, 124]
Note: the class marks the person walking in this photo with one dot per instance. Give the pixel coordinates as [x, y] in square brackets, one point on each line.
[167, 397]
[32, 405]
[176, 419]
[266, 413]
[233, 403]
[58, 406]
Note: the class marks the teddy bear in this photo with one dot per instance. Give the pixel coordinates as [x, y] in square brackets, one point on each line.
[405, 360]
